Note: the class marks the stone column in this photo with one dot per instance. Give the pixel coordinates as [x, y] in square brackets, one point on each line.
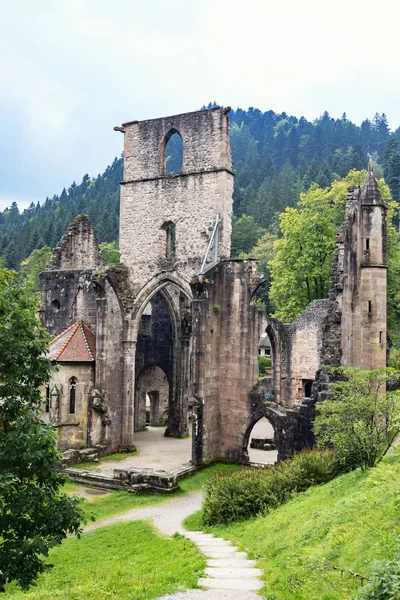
[128, 399]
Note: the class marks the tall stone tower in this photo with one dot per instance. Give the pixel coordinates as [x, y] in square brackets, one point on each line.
[360, 277]
[156, 206]
[373, 278]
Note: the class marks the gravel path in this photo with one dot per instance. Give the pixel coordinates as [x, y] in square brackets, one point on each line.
[229, 573]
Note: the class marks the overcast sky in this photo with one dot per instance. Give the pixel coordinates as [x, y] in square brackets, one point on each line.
[72, 69]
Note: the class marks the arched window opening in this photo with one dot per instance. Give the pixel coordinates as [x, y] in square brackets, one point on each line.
[55, 305]
[170, 239]
[47, 398]
[72, 395]
[173, 153]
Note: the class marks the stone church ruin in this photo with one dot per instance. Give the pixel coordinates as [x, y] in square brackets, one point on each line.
[177, 324]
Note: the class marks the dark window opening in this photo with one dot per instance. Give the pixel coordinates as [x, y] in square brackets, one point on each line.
[369, 307]
[173, 153]
[381, 337]
[72, 395]
[47, 398]
[307, 388]
[56, 305]
[367, 244]
[170, 247]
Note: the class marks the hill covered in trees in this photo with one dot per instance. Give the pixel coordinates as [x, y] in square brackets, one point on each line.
[275, 158]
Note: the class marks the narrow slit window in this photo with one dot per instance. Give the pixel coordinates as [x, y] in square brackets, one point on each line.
[367, 244]
[170, 249]
[72, 396]
[47, 398]
[381, 337]
[369, 307]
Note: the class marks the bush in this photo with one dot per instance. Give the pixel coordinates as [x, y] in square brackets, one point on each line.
[263, 363]
[251, 491]
[362, 419]
[385, 583]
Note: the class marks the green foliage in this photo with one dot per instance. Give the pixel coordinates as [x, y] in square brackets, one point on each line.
[249, 492]
[35, 264]
[264, 362]
[362, 419]
[308, 546]
[264, 252]
[245, 235]
[110, 253]
[126, 560]
[34, 514]
[394, 359]
[301, 267]
[384, 584]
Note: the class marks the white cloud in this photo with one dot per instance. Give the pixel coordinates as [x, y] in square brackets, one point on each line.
[73, 69]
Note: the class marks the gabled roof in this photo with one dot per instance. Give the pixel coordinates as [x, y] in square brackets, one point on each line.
[75, 344]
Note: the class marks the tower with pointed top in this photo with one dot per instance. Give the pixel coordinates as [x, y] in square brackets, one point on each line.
[361, 283]
[373, 276]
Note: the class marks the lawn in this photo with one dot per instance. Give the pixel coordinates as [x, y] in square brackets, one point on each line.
[128, 561]
[308, 547]
[91, 465]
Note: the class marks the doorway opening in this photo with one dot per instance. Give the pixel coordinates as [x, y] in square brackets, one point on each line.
[261, 448]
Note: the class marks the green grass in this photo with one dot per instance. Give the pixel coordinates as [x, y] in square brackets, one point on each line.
[128, 561]
[91, 465]
[303, 545]
[119, 502]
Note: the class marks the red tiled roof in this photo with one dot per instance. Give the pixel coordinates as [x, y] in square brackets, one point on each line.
[75, 344]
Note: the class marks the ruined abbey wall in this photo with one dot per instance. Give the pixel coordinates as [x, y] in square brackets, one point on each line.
[150, 199]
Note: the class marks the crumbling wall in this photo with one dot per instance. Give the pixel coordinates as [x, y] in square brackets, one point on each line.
[67, 297]
[77, 248]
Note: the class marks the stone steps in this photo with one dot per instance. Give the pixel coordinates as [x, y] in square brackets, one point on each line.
[227, 568]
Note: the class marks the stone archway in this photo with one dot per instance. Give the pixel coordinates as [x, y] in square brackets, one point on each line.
[152, 382]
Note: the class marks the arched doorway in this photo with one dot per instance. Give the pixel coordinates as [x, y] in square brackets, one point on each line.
[162, 361]
[261, 447]
[151, 398]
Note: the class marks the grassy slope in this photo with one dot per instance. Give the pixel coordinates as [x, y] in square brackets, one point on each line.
[129, 561]
[346, 524]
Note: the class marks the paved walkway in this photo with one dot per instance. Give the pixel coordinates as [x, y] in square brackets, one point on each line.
[154, 452]
[229, 573]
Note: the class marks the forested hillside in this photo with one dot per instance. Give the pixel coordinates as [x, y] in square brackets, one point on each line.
[275, 157]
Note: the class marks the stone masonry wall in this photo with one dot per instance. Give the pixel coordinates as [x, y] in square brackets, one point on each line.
[227, 329]
[71, 428]
[77, 248]
[191, 200]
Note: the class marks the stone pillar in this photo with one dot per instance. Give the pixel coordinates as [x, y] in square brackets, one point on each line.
[128, 395]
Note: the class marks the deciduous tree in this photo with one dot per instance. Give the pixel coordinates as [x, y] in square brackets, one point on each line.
[34, 514]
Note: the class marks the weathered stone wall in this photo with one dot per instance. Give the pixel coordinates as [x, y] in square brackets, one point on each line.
[227, 329]
[299, 349]
[152, 381]
[78, 247]
[109, 362]
[71, 428]
[191, 200]
[67, 296]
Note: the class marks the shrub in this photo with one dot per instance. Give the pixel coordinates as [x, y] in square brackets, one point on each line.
[263, 363]
[362, 418]
[385, 582]
[251, 491]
